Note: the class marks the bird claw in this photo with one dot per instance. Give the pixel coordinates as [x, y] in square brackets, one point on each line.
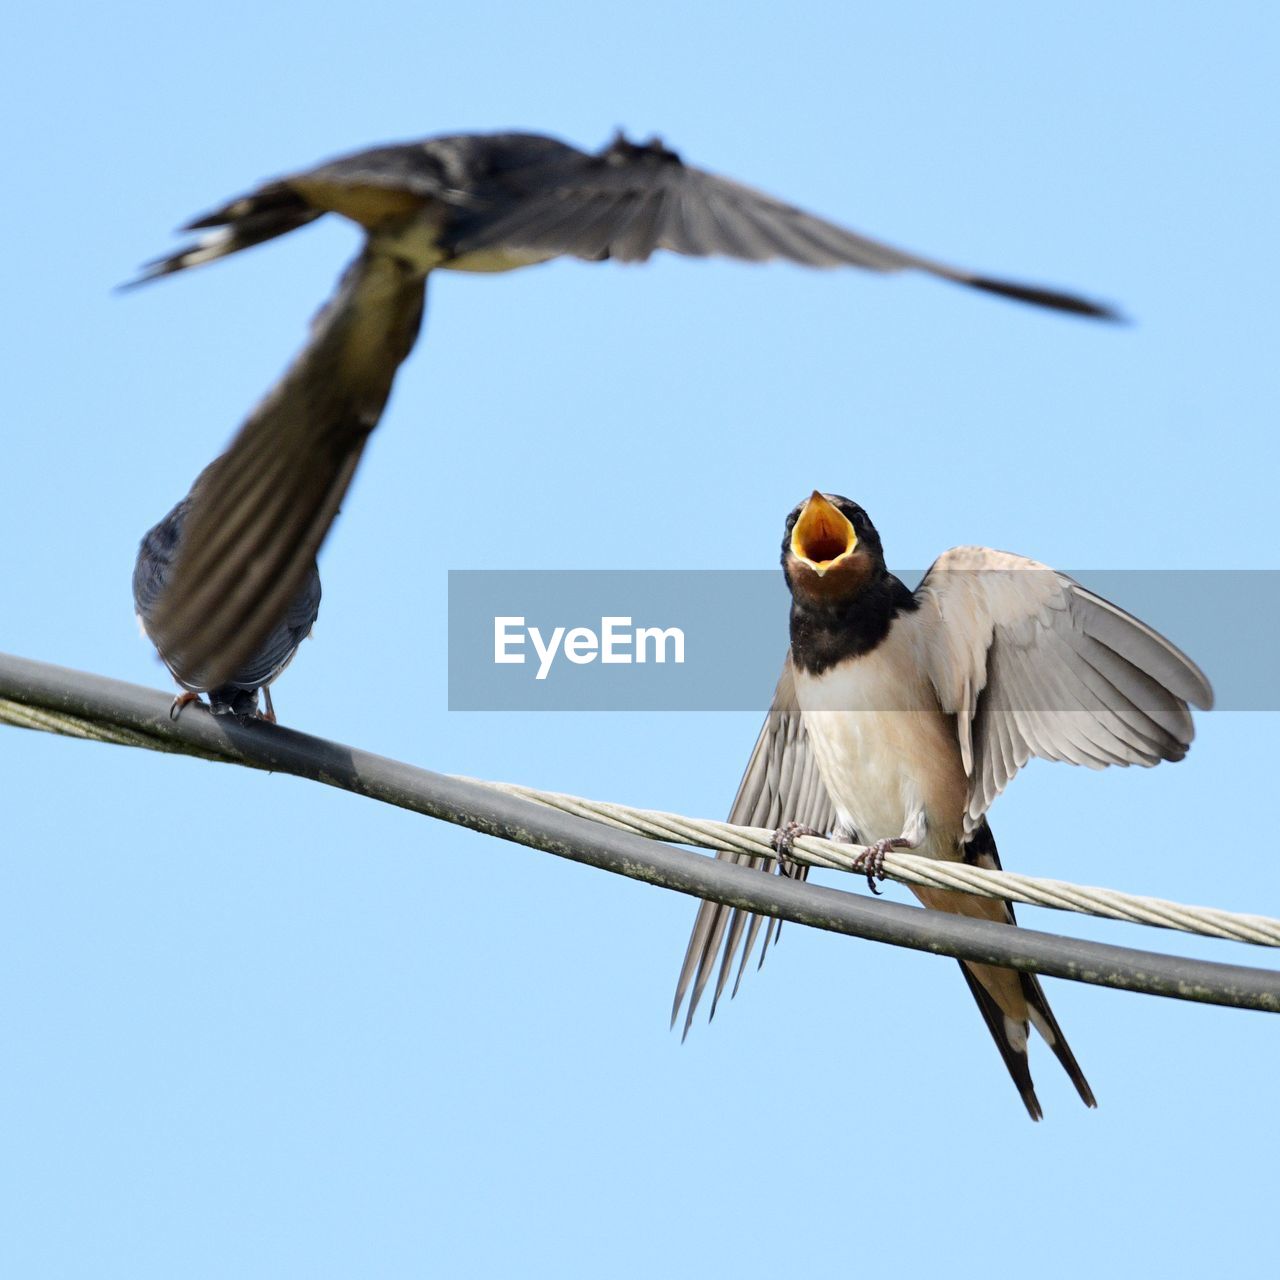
[785, 837]
[182, 700]
[871, 861]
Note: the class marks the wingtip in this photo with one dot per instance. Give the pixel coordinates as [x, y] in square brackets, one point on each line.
[145, 276]
[1051, 299]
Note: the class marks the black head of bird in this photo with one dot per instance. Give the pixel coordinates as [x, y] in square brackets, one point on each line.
[843, 597]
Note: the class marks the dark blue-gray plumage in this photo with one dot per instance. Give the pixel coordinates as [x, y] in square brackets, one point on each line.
[259, 513]
[465, 202]
[493, 202]
[238, 695]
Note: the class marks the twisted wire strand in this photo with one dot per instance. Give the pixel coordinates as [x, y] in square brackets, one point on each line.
[43, 697]
[705, 833]
[1111, 904]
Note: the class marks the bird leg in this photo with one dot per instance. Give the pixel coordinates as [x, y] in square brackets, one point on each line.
[269, 715]
[184, 699]
[871, 860]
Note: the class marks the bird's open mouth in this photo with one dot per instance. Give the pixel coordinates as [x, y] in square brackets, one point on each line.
[822, 535]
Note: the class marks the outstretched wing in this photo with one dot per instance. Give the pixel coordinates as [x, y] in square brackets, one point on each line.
[259, 513]
[1033, 664]
[630, 200]
[534, 197]
[781, 785]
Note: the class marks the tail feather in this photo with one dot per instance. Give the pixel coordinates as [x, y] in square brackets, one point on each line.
[1046, 1024]
[275, 197]
[1012, 1046]
[273, 211]
[1010, 1001]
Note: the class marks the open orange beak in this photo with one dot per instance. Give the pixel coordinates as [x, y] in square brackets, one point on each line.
[822, 537]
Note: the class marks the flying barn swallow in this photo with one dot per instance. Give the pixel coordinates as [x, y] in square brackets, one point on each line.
[238, 694]
[901, 716]
[466, 202]
[495, 202]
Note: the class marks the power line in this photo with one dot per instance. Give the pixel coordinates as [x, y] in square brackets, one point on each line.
[58, 700]
[909, 868]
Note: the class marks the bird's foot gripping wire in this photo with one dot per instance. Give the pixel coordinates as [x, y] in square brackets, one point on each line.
[182, 700]
[785, 836]
[871, 860]
[241, 703]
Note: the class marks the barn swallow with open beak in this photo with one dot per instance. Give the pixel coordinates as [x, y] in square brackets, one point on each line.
[467, 202]
[901, 715]
[238, 694]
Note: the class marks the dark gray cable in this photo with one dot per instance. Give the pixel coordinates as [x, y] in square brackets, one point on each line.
[77, 703]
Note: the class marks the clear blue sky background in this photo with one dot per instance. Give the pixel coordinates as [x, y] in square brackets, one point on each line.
[254, 1027]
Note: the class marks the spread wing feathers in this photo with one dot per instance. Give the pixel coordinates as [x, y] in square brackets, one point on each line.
[631, 200]
[1033, 664]
[527, 192]
[781, 785]
[260, 512]
[650, 201]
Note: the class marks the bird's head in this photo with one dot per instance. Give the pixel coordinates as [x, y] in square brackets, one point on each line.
[830, 550]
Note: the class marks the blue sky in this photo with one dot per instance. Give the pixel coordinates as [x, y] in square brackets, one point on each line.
[254, 1027]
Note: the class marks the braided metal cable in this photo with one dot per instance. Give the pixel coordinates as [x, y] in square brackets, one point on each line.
[1111, 904]
[35, 695]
